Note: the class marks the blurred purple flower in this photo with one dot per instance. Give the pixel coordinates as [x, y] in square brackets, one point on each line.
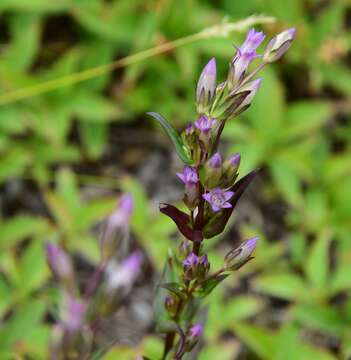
[196, 331]
[74, 313]
[191, 261]
[218, 199]
[125, 274]
[59, 261]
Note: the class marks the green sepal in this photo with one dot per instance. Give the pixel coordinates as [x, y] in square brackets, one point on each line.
[174, 136]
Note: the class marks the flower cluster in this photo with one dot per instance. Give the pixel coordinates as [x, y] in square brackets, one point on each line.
[211, 186]
[104, 291]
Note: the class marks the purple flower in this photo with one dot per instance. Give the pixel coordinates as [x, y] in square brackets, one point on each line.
[218, 199]
[244, 56]
[196, 331]
[204, 261]
[206, 85]
[73, 318]
[116, 229]
[59, 261]
[189, 176]
[215, 161]
[189, 129]
[191, 261]
[252, 41]
[123, 211]
[204, 124]
[279, 45]
[125, 274]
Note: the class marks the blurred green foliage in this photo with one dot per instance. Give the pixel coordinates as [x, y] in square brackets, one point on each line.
[298, 299]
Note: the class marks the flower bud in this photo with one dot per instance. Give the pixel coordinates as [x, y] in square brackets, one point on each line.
[206, 87]
[171, 305]
[73, 314]
[236, 258]
[195, 266]
[124, 275]
[193, 335]
[279, 45]
[190, 178]
[204, 127]
[184, 249]
[213, 171]
[230, 169]
[249, 88]
[59, 263]
[116, 230]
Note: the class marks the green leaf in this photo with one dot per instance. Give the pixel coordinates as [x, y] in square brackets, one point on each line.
[322, 318]
[176, 289]
[257, 339]
[317, 263]
[21, 324]
[173, 135]
[282, 285]
[18, 228]
[209, 284]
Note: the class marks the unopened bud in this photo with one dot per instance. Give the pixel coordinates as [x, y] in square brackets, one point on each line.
[236, 258]
[193, 335]
[206, 87]
[171, 305]
[60, 263]
[195, 266]
[213, 171]
[74, 314]
[279, 45]
[251, 90]
[230, 169]
[116, 230]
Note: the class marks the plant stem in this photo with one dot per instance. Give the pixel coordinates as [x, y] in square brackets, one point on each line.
[220, 30]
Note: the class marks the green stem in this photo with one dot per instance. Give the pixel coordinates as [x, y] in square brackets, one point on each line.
[220, 30]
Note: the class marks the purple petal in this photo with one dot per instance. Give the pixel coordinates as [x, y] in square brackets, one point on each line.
[228, 195]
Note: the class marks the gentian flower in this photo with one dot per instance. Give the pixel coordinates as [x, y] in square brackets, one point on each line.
[189, 176]
[243, 58]
[124, 274]
[116, 230]
[218, 199]
[59, 262]
[191, 180]
[204, 124]
[74, 313]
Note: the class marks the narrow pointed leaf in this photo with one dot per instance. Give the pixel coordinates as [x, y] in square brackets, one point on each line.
[173, 135]
[176, 289]
[182, 220]
[209, 285]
